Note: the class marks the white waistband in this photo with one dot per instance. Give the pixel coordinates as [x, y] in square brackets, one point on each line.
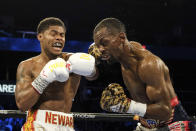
[54, 117]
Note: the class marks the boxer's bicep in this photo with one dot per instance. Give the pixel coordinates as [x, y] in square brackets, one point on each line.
[158, 106]
[154, 87]
[154, 94]
[25, 95]
[153, 77]
[23, 78]
[23, 73]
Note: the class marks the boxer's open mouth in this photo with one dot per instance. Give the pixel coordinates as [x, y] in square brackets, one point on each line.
[57, 45]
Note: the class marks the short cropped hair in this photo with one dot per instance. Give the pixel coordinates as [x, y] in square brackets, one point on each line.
[47, 22]
[112, 25]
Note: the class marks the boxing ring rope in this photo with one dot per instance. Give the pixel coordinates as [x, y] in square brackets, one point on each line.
[82, 116]
[78, 116]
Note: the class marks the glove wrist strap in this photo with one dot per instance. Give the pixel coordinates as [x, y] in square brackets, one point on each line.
[39, 84]
[137, 108]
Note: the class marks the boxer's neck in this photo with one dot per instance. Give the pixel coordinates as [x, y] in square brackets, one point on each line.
[48, 56]
[127, 58]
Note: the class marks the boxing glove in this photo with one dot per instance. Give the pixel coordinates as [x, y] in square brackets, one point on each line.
[94, 51]
[113, 99]
[81, 64]
[54, 70]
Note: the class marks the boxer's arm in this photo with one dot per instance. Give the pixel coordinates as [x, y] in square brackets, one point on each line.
[82, 64]
[93, 76]
[156, 90]
[25, 95]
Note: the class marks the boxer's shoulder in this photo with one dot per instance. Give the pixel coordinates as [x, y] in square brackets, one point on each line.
[28, 61]
[28, 64]
[150, 67]
[154, 63]
[151, 61]
[135, 43]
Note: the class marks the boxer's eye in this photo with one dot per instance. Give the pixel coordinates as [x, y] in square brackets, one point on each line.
[53, 33]
[103, 43]
[62, 34]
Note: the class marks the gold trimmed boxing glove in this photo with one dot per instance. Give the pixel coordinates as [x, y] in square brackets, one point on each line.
[113, 99]
[94, 51]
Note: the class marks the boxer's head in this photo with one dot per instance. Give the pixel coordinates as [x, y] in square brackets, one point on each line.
[51, 34]
[109, 35]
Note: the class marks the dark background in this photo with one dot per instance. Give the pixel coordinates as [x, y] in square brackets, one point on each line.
[163, 22]
[156, 23]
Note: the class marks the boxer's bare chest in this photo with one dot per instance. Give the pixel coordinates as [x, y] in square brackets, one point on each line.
[134, 85]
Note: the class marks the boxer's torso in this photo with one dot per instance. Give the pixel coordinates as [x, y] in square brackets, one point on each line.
[132, 80]
[57, 96]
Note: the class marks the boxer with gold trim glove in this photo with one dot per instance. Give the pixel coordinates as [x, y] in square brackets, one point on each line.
[81, 64]
[94, 51]
[54, 70]
[113, 99]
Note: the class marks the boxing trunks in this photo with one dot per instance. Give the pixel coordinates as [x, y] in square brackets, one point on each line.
[179, 121]
[46, 120]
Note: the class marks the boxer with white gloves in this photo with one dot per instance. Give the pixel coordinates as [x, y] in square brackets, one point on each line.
[81, 64]
[54, 87]
[54, 70]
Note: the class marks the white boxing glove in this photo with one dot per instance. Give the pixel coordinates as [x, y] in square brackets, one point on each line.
[54, 70]
[81, 64]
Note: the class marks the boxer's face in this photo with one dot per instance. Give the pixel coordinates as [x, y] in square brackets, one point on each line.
[52, 40]
[106, 43]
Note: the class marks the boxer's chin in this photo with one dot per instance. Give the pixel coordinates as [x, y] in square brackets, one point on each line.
[105, 57]
[109, 59]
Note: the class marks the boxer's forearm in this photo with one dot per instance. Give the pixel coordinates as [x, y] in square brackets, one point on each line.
[158, 111]
[26, 97]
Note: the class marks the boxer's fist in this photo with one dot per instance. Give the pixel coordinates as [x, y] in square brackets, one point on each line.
[94, 51]
[113, 99]
[54, 70]
[81, 64]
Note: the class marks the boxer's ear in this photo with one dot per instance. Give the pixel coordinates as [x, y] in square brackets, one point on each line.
[39, 36]
[122, 37]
